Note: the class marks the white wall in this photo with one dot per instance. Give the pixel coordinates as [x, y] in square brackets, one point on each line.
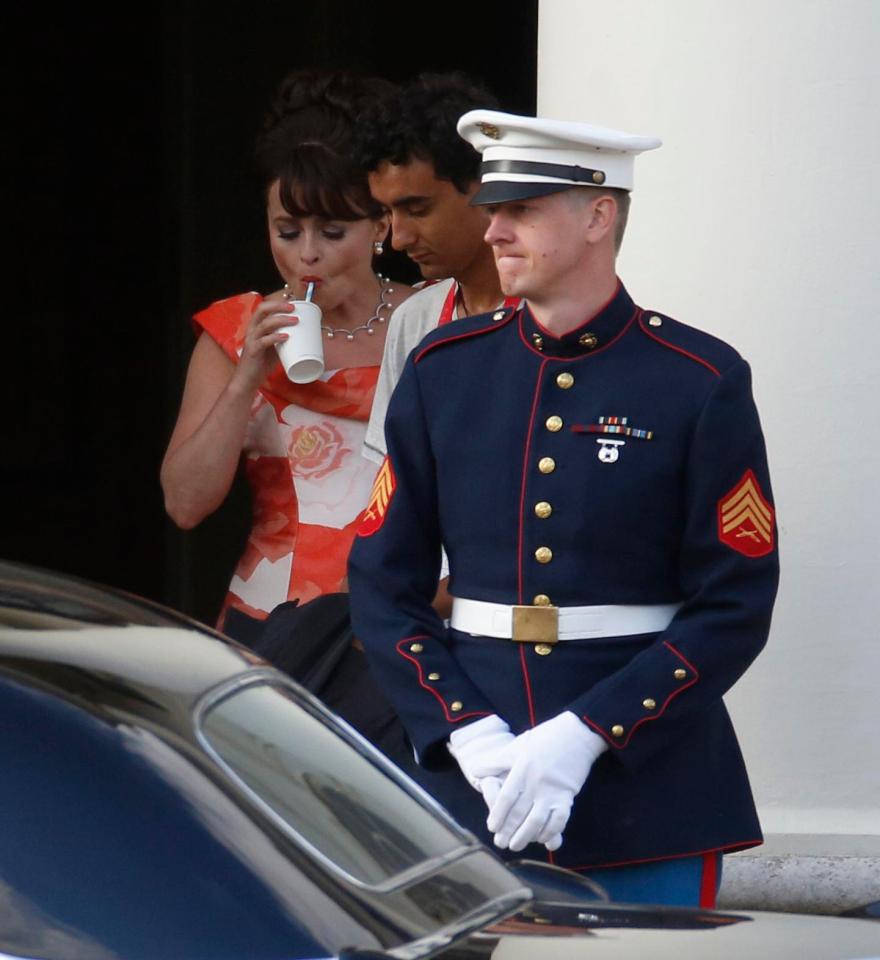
[757, 221]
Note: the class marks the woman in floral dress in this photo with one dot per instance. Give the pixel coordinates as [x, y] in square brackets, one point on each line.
[300, 442]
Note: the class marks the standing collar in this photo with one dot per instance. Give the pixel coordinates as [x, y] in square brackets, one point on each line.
[594, 334]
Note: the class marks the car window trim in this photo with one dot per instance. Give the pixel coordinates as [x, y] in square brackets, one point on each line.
[270, 677]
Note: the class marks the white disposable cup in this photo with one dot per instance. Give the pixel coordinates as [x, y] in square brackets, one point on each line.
[302, 353]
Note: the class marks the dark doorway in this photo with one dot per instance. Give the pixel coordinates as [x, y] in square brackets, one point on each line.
[131, 206]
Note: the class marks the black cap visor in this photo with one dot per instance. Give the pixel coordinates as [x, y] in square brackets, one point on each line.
[500, 191]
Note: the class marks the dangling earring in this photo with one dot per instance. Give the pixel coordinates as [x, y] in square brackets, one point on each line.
[288, 293]
[378, 247]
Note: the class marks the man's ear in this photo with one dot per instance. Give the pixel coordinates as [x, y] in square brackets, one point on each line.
[603, 216]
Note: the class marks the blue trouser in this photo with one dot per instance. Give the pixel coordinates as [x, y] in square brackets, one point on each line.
[685, 882]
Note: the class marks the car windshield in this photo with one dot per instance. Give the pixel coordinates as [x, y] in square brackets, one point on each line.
[337, 801]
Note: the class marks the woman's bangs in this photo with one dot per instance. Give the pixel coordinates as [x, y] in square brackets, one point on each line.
[318, 183]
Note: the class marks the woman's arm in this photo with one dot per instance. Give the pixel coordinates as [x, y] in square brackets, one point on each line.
[207, 441]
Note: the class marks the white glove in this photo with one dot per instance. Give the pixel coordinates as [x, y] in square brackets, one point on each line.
[478, 748]
[549, 765]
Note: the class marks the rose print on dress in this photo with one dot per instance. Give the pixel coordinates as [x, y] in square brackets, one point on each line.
[316, 450]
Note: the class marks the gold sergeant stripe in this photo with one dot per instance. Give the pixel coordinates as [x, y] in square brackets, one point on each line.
[380, 495]
[747, 504]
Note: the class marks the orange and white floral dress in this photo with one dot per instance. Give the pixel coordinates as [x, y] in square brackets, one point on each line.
[304, 465]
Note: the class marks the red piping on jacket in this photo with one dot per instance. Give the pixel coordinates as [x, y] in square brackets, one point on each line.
[681, 350]
[739, 845]
[494, 325]
[522, 496]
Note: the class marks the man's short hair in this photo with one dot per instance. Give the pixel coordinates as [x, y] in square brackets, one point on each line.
[418, 122]
[621, 198]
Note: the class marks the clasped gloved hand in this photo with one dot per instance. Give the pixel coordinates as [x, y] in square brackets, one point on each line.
[549, 765]
[480, 750]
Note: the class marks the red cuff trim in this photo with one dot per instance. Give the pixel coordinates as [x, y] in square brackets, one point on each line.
[457, 718]
[620, 744]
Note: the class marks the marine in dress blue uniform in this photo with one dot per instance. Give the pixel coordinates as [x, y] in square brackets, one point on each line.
[604, 501]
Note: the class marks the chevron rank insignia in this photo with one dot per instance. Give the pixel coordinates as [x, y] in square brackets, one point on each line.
[380, 499]
[745, 518]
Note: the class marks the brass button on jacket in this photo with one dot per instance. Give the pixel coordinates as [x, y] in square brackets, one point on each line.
[541, 600]
[617, 730]
[553, 424]
[543, 510]
[546, 464]
[433, 676]
[564, 380]
[543, 649]
[543, 554]
[649, 704]
[455, 706]
[416, 647]
[680, 674]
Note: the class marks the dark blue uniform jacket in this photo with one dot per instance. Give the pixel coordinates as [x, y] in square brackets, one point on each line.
[494, 416]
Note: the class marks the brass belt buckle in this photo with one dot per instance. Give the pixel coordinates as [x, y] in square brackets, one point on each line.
[535, 624]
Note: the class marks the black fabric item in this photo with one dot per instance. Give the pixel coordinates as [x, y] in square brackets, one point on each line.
[241, 627]
[307, 641]
[352, 692]
[312, 643]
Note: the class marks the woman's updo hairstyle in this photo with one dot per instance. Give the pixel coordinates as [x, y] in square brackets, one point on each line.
[305, 144]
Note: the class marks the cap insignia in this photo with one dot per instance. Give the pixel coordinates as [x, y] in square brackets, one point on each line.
[490, 130]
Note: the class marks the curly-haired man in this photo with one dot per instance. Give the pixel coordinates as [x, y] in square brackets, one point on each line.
[426, 175]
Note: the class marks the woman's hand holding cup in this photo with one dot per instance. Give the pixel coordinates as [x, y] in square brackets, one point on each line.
[266, 330]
